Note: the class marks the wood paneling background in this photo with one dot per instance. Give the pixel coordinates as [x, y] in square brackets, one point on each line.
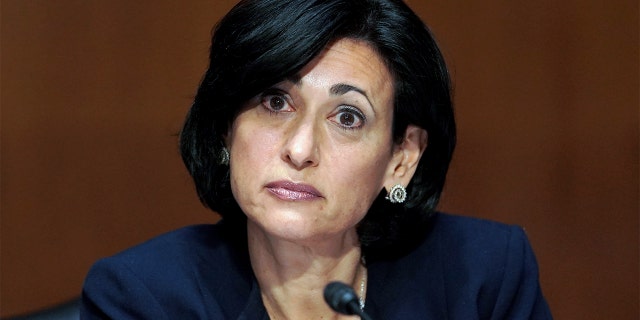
[94, 92]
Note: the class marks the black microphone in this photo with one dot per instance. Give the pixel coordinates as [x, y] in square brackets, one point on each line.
[342, 299]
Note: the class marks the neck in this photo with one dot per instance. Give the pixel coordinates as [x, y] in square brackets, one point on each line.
[292, 274]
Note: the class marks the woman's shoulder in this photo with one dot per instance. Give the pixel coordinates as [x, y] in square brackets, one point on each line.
[449, 221]
[168, 254]
[176, 244]
[478, 243]
[167, 275]
[180, 248]
[472, 231]
[478, 247]
[493, 260]
[467, 267]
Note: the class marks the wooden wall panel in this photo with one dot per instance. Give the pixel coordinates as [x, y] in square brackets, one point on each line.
[547, 107]
[93, 93]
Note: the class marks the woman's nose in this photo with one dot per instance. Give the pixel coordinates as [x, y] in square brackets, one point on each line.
[301, 146]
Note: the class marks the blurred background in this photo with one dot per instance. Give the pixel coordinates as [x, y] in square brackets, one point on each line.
[93, 94]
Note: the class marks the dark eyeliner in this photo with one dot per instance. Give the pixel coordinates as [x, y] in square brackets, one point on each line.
[272, 92]
[356, 111]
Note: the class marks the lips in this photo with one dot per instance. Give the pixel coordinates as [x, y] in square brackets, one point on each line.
[291, 191]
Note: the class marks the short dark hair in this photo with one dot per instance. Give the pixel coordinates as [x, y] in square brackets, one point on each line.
[262, 42]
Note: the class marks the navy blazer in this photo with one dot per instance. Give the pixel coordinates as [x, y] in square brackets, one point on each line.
[465, 268]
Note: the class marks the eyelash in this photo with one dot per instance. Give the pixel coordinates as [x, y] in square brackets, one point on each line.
[271, 93]
[353, 111]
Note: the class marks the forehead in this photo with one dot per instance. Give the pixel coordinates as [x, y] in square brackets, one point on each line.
[351, 62]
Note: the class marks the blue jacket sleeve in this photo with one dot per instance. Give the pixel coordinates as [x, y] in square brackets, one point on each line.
[112, 291]
[520, 295]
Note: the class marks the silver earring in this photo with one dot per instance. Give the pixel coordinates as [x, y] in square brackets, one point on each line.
[397, 194]
[224, 156]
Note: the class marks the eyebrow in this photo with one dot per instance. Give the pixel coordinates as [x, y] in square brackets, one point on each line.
[339, 89]
[295, 79]
[342, 88]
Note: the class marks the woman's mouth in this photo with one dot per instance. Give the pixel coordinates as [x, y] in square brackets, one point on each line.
[291, 191]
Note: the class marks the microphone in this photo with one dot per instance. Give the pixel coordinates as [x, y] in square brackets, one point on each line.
[342, 299]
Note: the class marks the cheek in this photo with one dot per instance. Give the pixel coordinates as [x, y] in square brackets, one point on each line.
[251, 150]
[361, 174]
[251, 143]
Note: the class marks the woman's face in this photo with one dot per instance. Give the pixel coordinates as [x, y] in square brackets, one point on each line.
[309, 155]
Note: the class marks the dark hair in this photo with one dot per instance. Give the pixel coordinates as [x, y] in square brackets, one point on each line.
[262, 42]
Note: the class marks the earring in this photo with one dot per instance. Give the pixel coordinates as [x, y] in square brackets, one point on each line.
[397, 194]
[224, 156]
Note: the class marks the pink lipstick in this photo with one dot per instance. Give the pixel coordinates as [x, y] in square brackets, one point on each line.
[291, 191]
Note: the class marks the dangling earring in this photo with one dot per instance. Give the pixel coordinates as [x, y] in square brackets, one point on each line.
[224, 156]
[397, 194]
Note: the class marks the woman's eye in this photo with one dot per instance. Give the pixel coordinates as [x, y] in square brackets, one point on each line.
[275, 102]
[349, 118]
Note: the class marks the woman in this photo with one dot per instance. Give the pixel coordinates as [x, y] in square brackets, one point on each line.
[322, 133]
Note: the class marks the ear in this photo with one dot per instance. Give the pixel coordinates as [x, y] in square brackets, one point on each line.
[406, 157]
[226, 138]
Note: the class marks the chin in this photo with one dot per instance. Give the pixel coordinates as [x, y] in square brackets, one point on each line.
[289, 228]
[298, 228]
